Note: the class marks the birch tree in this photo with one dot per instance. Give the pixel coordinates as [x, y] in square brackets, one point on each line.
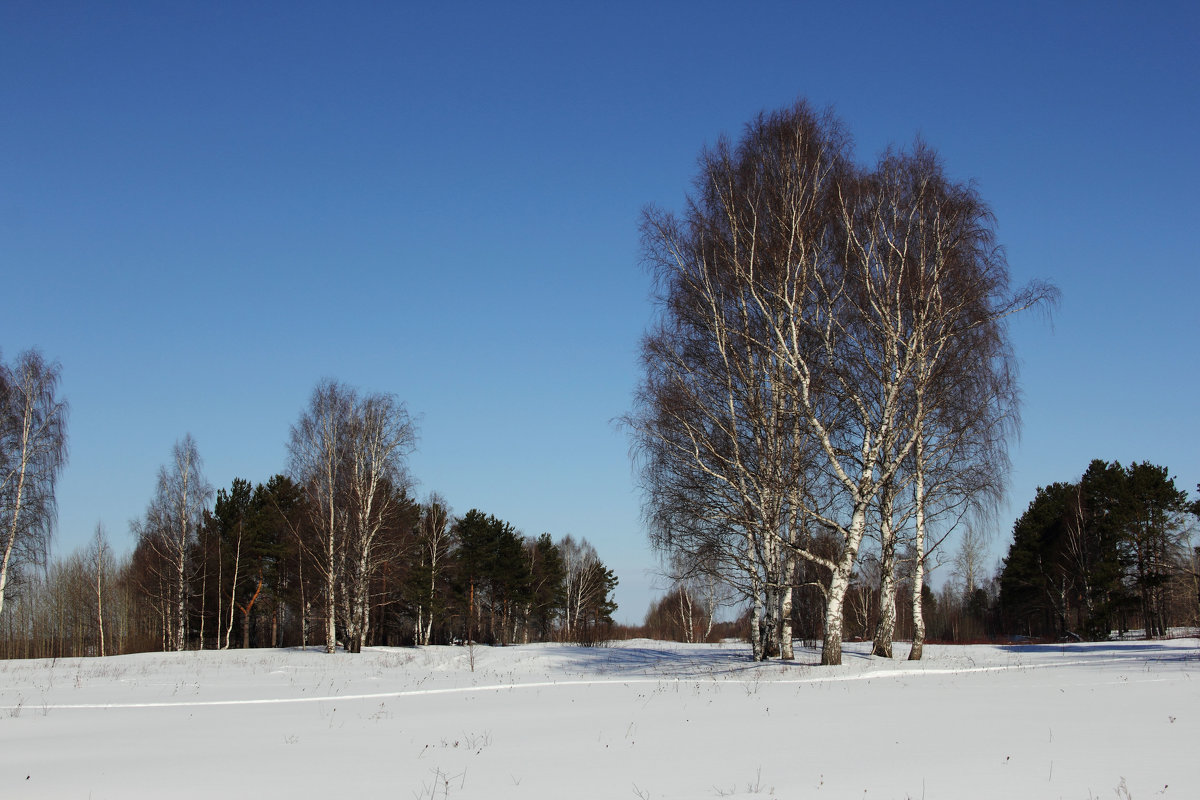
[169, 532]
[933, 245]
[381, 437]
[584, 577]
[433, 548]
[963, 397]
[723, 435]
[968, 560]
[317, 463]
[943, 316]
[349, 455]
[33, 451]
[100, 559]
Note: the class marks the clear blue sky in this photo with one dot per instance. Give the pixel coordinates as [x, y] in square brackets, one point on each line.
[206, 208]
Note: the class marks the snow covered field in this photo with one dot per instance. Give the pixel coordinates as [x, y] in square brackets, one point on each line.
[639, 719]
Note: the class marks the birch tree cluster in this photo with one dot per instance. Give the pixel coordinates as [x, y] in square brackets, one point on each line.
[829, 371]
[348, 454]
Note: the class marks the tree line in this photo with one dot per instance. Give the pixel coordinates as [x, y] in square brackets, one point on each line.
[334, 551]
[1111, 554]
[830, 365]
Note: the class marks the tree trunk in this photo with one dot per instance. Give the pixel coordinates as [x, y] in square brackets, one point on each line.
[203, 587]
[330, 600]
[8, 548]
[918, 610]
[839, 583]
[237, 561]
[886, 626]
[432, 590]
[785, 616]
[220, 592]
[14, 520]
[100, 591]
[756, 625]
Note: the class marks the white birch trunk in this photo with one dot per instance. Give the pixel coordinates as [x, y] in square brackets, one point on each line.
[918, 612]
[786, 652]
[330, 602]
[756, 623]
[100, 589]
[181, 564]
[11, 539]
[839, 584]
[237, 560]
[886, 626]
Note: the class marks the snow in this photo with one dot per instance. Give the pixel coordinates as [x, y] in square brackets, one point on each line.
[635, 719]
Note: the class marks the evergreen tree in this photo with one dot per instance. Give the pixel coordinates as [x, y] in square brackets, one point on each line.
[1152, 540]
[1094, 556]
[548, 586]
[1031, 580]
[494, 576]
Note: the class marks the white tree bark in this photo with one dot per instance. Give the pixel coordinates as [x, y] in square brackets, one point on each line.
[101, 549]
[237, 565]
[886, 626]
[349, 452]
[32, 454]
[918, 609]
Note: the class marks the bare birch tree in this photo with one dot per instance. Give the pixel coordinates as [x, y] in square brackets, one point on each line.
[811, 311]
[348, 453]
[382, 436]
[968, 559]
[101, 560]
[948, 300]
[433, 543]
[170, 528]
[964, 396]
[584, 581]
[33, 451]
[316, 462]
[724, 437]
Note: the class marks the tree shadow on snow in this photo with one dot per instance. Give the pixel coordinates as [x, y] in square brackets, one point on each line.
[664, 662]
[1140, 651]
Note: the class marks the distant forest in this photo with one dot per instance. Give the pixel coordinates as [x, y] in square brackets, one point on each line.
[333, 553]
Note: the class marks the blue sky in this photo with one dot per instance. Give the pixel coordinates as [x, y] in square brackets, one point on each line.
[205, 208]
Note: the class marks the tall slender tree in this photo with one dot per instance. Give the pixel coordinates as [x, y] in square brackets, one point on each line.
[168, 535]
[381, 437]
[316, 457]
[100, 558]
[433, 541]
[349, 454]
[33, 451]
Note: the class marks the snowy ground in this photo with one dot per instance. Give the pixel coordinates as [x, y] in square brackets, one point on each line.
[638, 719]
